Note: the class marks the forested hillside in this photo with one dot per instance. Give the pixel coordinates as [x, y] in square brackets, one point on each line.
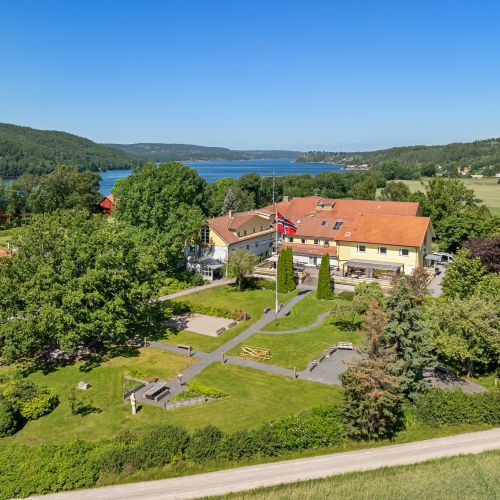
[477, 154]
[190, 152]
[24, 149]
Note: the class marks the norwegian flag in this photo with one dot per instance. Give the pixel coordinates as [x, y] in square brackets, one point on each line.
[285, 226]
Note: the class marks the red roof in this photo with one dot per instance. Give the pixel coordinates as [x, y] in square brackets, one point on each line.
[314, 250]
[401, 230]
[4, 252]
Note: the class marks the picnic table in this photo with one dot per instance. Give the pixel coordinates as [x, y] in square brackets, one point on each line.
[156, 390]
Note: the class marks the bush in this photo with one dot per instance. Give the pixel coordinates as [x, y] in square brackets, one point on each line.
[30, 400]
[173, 308]
[196, 390]
[80, 403]
[345, 295]
[315, 428]
[9, 422]
[205, 444]
[158, 447]
[240, 445]
[437, 407]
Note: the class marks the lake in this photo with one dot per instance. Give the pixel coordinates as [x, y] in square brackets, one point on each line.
[213, 170]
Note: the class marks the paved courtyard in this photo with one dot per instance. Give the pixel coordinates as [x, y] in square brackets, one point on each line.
[202, 324]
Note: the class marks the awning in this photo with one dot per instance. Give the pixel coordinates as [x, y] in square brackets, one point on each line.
[370, 264]
[273, 258]
[432, 256]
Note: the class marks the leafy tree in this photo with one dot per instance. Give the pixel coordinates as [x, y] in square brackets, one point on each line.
[364, 189]
[487, 250]
[489, 285]
[215, 194]
[76, 279]
[344, 312]
[408, 335]
[239, 264]
[9, 420]
[237, 200]
[395, 191]
[374, 325]
[4, 199]
[324, 290]
[18, 193]
[373, 405]
[418, 283]
[250, 184]
[463, 276]
[466, 331]
[167, 200]
[365, 293]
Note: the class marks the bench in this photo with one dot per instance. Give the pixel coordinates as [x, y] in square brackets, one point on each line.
[158, 389]
[188, 348]
[266, 310]
[345, 345]
[220, 330]
[312, 364]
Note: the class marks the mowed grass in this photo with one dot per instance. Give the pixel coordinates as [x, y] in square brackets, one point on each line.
[471, 476]
[303, 314]
[294, 350]
[487, 190]
[253, 301]
[254, 397]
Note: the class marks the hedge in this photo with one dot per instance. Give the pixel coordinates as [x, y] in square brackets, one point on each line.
[439, 406]
[179, 307]
[195, 390]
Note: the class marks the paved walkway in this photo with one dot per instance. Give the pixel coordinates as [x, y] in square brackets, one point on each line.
[435, 287]
[189, 291]
[272, 474]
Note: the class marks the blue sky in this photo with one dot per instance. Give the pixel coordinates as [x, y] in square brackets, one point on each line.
[335, 75]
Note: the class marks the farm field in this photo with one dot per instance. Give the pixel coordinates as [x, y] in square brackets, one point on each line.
[487, 190]
[470, 476]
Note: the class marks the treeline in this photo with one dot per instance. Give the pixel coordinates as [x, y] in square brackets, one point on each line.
[24, 149]
[478, 155]
[159, 152]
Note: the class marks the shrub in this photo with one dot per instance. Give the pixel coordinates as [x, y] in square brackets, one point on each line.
[437, 407]
[113, 459]
[240, 445]
[345, 295]
[205, 444]
[197, 279]
[80, 403]
[195, 390]
[30, 400]
[9, 422]
[315, 428]
[173, 308]
[159, 447]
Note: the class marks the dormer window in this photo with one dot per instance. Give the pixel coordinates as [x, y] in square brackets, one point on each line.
[337, 225]
[323, 222]
[245, 232]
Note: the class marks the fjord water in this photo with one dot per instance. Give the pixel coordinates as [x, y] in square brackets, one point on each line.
[213, 170]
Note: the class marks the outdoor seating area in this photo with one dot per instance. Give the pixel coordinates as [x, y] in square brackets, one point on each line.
[356, 268]
[202, 324]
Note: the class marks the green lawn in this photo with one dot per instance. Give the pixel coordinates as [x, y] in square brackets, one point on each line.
[294, 350]
[227, 297]
[470, 476]
[255, 397]
[487, 190]
[303, 314]
[487, 380]
[6, 235]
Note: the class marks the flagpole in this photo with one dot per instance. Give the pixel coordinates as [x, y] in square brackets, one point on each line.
[276, 305]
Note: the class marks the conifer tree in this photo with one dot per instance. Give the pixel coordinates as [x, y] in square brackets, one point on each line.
[281, 269]
[324, 290]
[290, 282]
[405, 332]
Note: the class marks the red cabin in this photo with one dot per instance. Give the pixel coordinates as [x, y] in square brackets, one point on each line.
[108, 204]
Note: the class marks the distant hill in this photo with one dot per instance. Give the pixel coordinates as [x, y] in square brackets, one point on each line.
[477, 154]
[24, 149]
[190, 152]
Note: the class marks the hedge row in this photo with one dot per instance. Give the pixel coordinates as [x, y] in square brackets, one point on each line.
[180, 307]
[195, 390]
[37, 470]
[438, 407]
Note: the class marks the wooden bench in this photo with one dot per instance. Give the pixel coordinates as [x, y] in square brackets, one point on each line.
[345, 345]
[188, 348]
[312, 364]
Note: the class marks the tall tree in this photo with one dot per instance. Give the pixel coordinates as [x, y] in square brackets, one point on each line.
[408, 335]
[282, 272]
[215, 194]
[239, 264]
[324, 290]
[487, 250]
[364, 189]
[374, 325]
[290, 281]
[395, 191]
[75, 279]
[373, 404]
[463, 276]
[167, 199]
[365, 293]
[237, 200]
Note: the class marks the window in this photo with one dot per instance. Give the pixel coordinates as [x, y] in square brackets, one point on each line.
[248, 247]
[239, 234]
[404, 252]
[245, 232]
[316, 242]
[323, 222]
[262, 228]
[256, 244]
[302, 240]
[254, 230]
[337, 225]
[382, 250]
[327, 243]
[361, 248]
[290, 239]
[205, 235]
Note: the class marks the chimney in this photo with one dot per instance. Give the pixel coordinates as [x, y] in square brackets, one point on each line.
[286, 198]
[230, 213]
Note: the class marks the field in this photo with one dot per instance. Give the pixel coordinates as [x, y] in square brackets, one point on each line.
[226, 297]
[487, 190]
[294, 350]
[470, 476]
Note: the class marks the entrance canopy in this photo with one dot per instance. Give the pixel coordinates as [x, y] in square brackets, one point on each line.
[371, 264]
